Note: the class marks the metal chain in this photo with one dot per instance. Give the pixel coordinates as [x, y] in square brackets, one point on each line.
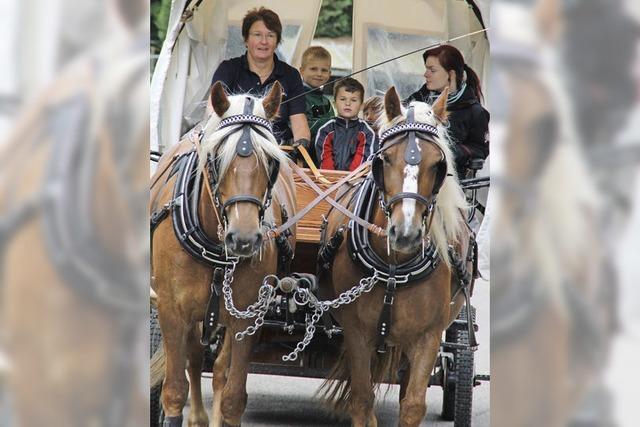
[254, 309]
[304, 296]
[258, 309]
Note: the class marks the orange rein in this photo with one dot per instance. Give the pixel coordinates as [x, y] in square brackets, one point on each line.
[322, 195]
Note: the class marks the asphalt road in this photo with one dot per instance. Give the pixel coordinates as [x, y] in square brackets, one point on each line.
[286, 401]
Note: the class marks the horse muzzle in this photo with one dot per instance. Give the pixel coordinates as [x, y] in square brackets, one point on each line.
[243, 244]
[403, 240]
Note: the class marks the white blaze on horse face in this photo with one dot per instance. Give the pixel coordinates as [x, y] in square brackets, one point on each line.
[409, 185]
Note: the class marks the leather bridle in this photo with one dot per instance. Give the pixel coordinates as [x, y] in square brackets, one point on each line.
[244, 148]
[410, 130]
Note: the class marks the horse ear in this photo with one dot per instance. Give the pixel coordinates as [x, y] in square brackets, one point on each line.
[392, 104]
[439, 107]
[271, 102]
[219, 100]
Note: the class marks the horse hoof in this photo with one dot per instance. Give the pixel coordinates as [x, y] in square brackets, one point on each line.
[224, 424]
[172, 421]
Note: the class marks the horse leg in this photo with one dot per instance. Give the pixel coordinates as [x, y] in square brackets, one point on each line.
[422, 357]
[220, 367]
[404, 381]
[197, 414]
[234, 394]
[362, 396]
[175, 388]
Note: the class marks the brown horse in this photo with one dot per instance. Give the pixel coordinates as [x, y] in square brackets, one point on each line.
[73, 241]
[233, 208]
[420, 199]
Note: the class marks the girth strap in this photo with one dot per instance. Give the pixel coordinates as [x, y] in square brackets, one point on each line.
[212, 314]
[384, 322]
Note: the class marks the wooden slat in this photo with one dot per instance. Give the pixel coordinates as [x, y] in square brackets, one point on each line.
[309, 226]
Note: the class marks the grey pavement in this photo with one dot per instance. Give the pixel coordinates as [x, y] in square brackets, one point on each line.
[286, 401]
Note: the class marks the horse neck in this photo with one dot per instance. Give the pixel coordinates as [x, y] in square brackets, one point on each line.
[207, 212]
[379, 244]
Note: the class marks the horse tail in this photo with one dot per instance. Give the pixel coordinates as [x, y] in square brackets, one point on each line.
[384, 367]
[157, 366]
[336, 389]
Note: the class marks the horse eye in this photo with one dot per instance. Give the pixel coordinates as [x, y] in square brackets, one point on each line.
[386, 159]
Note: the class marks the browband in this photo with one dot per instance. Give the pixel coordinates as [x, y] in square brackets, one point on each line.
[248, 120]
[407, 127]
[242, 119]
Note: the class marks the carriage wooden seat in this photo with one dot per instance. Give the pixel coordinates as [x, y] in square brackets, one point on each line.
[309, 225]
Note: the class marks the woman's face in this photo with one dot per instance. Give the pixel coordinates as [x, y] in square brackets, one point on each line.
[261, 41]
[437, 77]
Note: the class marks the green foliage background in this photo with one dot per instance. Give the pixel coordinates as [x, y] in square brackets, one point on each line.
[334, 20]
[160, 10]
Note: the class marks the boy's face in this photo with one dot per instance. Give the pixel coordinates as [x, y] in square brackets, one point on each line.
[370, 114]
[348, 103]
[316, 72]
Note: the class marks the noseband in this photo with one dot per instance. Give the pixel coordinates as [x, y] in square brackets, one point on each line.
[412, 156]
[244, 148]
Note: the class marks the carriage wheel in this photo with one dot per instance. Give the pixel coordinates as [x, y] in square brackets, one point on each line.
[448, 390]
[458, 378]
[464, 375]
[156, 412]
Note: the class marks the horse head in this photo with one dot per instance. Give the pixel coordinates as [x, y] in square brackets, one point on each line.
[413, 170]
[241, 159]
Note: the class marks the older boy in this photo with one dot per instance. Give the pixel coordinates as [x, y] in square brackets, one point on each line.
[345, 141]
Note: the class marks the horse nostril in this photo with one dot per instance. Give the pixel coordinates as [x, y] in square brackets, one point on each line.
[392, 231]
[258, 240]
[230, 238]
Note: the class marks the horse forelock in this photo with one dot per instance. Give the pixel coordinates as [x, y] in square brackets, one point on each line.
[447, 223]
[223, 142]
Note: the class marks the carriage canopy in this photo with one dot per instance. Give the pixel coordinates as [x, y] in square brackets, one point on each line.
[202, 33]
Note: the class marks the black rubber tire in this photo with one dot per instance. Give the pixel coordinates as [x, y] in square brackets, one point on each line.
[156, 414]
[457, 402]
[464, 361]
[448, 393]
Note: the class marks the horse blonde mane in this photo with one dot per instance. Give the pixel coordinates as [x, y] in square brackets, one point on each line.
[214, 141]
[451, 202]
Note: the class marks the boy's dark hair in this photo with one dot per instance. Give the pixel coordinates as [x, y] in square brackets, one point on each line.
[350, 85]
[269, 17]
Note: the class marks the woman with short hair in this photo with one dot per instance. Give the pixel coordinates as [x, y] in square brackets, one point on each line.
[256, 70]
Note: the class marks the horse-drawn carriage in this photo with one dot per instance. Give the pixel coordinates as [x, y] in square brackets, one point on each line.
[308, 254]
